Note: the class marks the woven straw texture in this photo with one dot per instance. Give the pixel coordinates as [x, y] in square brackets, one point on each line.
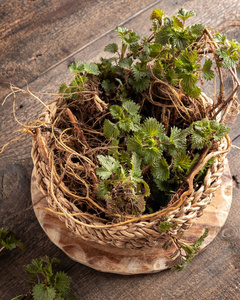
[135, 233]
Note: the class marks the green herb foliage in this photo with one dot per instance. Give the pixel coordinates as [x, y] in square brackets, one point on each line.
[170, 50]
[8, 240]
[45, 284]
[184, 253]
[142, 151]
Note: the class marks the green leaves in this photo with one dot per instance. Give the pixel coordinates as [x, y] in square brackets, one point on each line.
[168, 160]
[229, 52]
[110, 129]
[186, 252]
[45, 284]
[207, 73]
[185, 14]
[157, 14]
[43, 292]
[112, 48]
[230, 59]
[35, 267]
[151, 127]
[204, 131]
[188, 84]
[62, 282]
[87, 67]
[8, 240]
[109, 166]
[127, 116]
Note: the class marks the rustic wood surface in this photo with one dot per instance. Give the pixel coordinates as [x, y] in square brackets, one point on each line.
[39, 39]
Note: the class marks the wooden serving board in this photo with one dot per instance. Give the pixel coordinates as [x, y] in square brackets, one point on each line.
[125, 261]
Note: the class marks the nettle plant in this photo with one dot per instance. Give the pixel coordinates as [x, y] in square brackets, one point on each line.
[8, 240]
[158, 125]
[45, 284]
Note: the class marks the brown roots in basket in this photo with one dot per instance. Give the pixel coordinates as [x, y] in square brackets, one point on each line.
[69, 139]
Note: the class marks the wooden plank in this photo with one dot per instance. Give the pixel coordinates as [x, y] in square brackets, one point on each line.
[37, 34]
[213, 274]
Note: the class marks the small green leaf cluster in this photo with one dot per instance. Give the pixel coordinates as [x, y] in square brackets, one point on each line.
[45, 284]
[172, 53]
[189, 251]
[184, 253]
[82, 71]
[8, 240]
[228, 53]
[139, 147]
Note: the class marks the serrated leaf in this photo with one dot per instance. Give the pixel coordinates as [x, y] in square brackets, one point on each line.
[62, 282]
[134, 144]
[125, 62]
[142, 84]
[65, 90]
[188, 85]
[108, 85]
[139, 71]
[180, 39]
[136, 165]
[221, 132]
[185, 14]
[172, 77]
[110, 129]
[116, 111]
[157, 14]
[196, 30]
[35, 267]
[177, 23]
[229, 60]
[220, 38]
[125, 124]
[121, 30]
[160, 170]
[131, 107]
[164, 35]
[198, 140]
[41, 292]
[182, 162]
[102, 189]
[91, 68]
[151, 154]
[178, 138]
[77, 66]
[151, 127]
[154, 49]
[112, 48]
[48, 270]
[109, 166]
[207, 73]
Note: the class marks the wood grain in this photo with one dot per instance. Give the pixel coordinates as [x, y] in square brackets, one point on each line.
[35, 35]
[213, 274]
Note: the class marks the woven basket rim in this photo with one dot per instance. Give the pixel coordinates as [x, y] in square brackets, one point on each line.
[182, 214]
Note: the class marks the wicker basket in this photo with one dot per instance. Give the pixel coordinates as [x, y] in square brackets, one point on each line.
[135, 233]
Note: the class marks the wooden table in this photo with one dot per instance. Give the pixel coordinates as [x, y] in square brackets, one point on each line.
[39, 39]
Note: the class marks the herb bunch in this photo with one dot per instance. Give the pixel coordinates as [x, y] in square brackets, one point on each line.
[45, 284]
[157, 125]
[141, 154]
[174, 52]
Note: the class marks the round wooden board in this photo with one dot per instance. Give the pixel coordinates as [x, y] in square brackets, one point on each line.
[125, 261]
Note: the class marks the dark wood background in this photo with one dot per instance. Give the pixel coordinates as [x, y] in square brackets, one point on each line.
[38, 41]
